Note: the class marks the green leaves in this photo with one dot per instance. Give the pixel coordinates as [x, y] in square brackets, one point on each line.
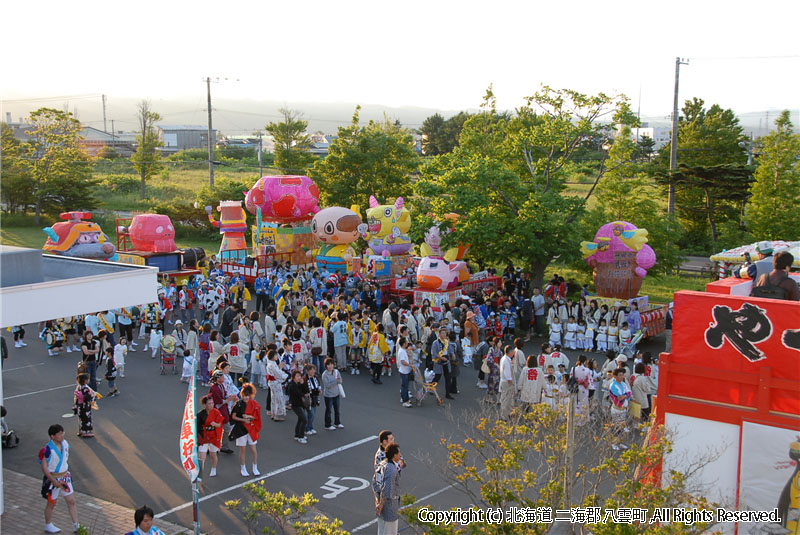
[292, 144]
[147, 160]
[376, 159]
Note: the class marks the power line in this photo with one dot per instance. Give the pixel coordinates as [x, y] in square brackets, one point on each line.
[723, 58]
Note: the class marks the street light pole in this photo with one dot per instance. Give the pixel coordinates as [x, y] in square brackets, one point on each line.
[673, 155]
[210, 141]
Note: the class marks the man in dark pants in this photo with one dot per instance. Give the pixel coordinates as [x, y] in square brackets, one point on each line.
[441, 352]
[261, 285]
[230, 320]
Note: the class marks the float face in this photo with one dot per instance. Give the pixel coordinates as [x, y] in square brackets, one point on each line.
[78, 238]
[388, 226]
[438, 274]
[336, 228]
[283, 199]
[433, 243]
[152, 232]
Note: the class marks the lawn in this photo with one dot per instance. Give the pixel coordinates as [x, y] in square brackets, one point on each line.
[659, 288]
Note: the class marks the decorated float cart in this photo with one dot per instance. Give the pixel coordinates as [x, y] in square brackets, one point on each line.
[149, 240]
[283, 207]
[729, 258]
[729, 392]
[620, 257]
[78, 237]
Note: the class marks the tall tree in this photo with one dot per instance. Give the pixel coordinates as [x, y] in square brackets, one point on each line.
[16, 183]
[772, 211]
[506, 178]
[147, 159]
[60, 167]
[292, 144]
[432, 132]
[724, 189]
[645, 148]
[376, 159]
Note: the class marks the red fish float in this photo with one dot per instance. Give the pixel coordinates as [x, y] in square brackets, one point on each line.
[283, 199]
[79, 238]
[152, 232]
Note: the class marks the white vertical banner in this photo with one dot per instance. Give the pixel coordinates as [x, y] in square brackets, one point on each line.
[188, 437]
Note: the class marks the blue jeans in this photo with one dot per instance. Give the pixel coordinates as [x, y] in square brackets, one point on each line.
[91, 367]
[310, 413]
[404, 386]
[332, 402]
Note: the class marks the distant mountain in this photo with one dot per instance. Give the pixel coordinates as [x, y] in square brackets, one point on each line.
[237, 117]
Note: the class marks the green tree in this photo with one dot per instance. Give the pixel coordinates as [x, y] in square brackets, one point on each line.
[59, 166]
[506, 178]
[772, 210]
[292, 144]
[147, 159]
[376, 159]
[16, 182]
[432, 132]
[645, 148]
[724, 190]
[706, 138]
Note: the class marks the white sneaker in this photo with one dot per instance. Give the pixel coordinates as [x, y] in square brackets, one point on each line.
[340, 426]
[312, 432]
[16, 344]
[390, 373]
[213, 473]
[50, 352]
[331, 428]
[484, 385]
[358, 372]
[302, 440]
[133, 343]
[76, 348]
[23, 344]
[407, 404]
[255, 470]
[478, 384]
[145, 348]
[244, 472]
[50, 528]
[69, 350]
[352, 371]
[75, 527]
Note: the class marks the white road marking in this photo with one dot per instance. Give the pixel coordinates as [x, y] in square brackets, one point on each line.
[39, 391]
[273, 473]
[6, 370]
[428, 497]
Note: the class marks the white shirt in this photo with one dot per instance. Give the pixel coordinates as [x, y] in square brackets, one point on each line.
[53, 460]
[402, 355]
[506, 373]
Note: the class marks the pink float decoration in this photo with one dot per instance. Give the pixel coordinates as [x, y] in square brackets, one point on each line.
[439, 274]
[152, 232]
[283, 199]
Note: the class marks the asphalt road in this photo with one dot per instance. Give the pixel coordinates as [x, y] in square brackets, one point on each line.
[134, 458]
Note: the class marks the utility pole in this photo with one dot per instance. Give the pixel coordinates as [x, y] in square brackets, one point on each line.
[210, 141]
[105, 129]
[260, 148]
[673, 155]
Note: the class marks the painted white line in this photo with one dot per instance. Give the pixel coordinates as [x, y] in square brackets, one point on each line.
[39, 391]
[6, 370]
[273, 473]
[428, 497]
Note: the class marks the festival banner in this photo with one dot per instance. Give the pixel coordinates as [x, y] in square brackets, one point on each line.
[188, 437]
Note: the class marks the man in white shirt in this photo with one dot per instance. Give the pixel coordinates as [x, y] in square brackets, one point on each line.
[507, 388]
[405, 369]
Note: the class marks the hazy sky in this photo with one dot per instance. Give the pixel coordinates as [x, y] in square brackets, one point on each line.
[438, 54]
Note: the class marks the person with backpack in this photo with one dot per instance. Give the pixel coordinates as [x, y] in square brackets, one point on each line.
[386, 488]
[777, 284]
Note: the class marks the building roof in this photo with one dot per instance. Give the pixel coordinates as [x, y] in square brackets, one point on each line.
[37, 287]
[192, 127]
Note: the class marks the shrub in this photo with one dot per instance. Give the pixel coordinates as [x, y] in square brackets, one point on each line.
[118, 183]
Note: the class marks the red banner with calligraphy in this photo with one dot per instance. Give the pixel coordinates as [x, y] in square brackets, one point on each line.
[735, 352]
[188, 437]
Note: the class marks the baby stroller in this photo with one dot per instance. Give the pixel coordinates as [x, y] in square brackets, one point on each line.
[168, 350]
[424, 385]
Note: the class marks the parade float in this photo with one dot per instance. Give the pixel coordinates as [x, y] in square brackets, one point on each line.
[77, 237]
[620, 257]
[283, 207]
[337, 228]
[729, 394]
[149, 240]
[729, 258]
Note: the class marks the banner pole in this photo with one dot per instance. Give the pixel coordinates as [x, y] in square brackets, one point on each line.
[195, 483]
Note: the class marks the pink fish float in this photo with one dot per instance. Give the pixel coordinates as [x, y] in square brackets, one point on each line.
[438, 274]
[283, 199]
[152, 232]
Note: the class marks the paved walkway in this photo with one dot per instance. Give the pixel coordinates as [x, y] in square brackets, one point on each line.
[25, 511]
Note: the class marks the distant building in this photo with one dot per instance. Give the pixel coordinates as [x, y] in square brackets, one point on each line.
[659, 134]
[95, 140]
[242, 142]
[320, 143]
[182, 137]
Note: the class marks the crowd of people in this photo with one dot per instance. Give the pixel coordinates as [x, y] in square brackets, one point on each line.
[306, 330]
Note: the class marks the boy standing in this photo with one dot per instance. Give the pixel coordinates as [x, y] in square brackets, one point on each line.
[57, 479]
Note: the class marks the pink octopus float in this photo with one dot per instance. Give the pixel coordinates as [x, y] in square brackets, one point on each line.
[283, 199]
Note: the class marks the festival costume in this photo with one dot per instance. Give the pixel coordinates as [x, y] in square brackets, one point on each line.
[275, 379]
[555, 333]
[571, 336]
[84, 397]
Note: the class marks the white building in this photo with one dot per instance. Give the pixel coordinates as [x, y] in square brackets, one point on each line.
[659, 134]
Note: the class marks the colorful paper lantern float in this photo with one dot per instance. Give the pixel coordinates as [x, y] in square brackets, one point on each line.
[79, 238]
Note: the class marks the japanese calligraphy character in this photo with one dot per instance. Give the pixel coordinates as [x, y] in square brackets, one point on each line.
[530, 516]
[742, 328]
[578, 515]
[791, 338]
[563, 515]
[624, 515]
[606, 514]
[187, 447]
[593, 515]
[639, 515]
[545, 514]
[189, 465]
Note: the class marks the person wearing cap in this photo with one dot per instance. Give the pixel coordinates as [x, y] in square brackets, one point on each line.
[754, 270]
[179, 334]
[780, 284]
[442, 352]
[622, 363]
